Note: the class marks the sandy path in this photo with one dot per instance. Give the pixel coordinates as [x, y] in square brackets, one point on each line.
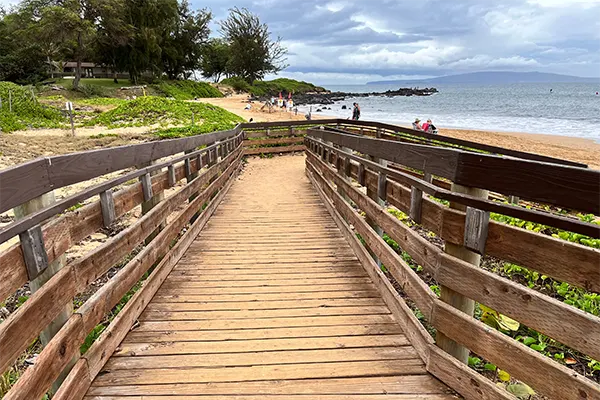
[237, 102]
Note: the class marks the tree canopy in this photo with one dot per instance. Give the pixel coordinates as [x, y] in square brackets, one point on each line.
[252, 52]
[139, 37]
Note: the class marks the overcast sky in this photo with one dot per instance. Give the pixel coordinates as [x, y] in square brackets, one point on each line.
[359, 41]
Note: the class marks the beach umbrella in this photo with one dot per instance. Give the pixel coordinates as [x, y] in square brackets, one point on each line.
[280, 96]
[289, 95]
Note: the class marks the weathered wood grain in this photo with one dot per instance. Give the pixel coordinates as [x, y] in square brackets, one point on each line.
[407, 179]
[542, 374]
[412, 385]
[34, 251]
[59, 171]
[107, 203]
[467, 382]
[577, 329]
[106, 344]
[476, 229]
[39, 216]
[36, 379]
[77, 383]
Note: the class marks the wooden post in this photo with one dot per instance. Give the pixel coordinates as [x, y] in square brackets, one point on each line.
[44, 276]
[190, 176]
[448, 295]
[378, 196]
[416, 199]
[9, 100]
[107, 204]
[151, 200]
[345, 170]
[513, 199]
[72, 123]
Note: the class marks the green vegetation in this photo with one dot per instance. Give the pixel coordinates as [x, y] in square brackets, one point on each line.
[187, 90]
[145, 111]
[272, 88]
[149, 40]
[574, 296]
[20, 110]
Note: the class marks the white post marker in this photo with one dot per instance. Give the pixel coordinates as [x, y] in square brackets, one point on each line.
[69, 108]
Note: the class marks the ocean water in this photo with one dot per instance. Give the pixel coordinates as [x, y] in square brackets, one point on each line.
[571, 109]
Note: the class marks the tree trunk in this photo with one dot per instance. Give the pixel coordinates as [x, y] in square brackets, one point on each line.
[115, 76]
[51, 67]
[78, 69]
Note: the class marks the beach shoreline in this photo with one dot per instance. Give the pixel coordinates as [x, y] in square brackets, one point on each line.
[583, 150]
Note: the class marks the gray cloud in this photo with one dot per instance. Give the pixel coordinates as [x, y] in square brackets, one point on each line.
[361, 39]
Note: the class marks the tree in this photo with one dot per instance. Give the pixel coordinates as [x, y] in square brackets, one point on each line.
[113, 36]
[216, 56]
[253, 53]
[20, 56]
[151, 19]
[184, 40]
[63, 28]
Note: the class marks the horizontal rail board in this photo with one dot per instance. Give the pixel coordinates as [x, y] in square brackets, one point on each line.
[564, 186]
[36, 380]
[59, 171]
[26, 323]
[579, 330]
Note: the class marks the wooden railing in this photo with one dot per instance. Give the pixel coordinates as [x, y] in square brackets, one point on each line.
[337, 163]
[401, 134]
[38, 258]
[419, 164]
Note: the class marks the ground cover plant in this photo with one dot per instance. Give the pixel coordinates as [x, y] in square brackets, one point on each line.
[150, 110]
[187, 90]
[569, 294]
[271, 88]
[21, 110]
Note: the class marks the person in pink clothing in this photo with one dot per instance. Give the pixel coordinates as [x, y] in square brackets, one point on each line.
[426, 125]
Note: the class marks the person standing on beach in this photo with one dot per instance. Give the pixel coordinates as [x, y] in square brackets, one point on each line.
[355, 112]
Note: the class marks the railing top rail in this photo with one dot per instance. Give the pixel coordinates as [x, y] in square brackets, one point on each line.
[27, 181]
[560, 185]
[37, 217]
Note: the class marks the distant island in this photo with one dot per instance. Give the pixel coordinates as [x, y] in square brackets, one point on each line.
[491, 77]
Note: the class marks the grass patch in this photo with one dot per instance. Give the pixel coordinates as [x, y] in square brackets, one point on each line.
[272, 88]
[26, 112]
[187, 90]
[145, 111]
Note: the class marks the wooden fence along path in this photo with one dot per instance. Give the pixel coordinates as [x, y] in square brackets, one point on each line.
[279, 282]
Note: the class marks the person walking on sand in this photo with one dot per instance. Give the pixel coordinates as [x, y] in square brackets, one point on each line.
[355, 112]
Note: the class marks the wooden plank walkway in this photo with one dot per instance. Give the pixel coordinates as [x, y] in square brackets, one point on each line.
[268, 301]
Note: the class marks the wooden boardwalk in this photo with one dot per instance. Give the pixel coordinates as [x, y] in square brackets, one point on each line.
[268, 300]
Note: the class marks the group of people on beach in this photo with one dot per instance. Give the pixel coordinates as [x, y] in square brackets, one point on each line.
[426, 127]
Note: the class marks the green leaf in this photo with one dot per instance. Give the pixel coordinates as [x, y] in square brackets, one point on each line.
[528, 341]
[538, 347]
[520, 390]
[474, 361]
[503, 375]
[489, 367]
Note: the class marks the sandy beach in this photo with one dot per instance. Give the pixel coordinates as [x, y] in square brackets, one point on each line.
[571, 148]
